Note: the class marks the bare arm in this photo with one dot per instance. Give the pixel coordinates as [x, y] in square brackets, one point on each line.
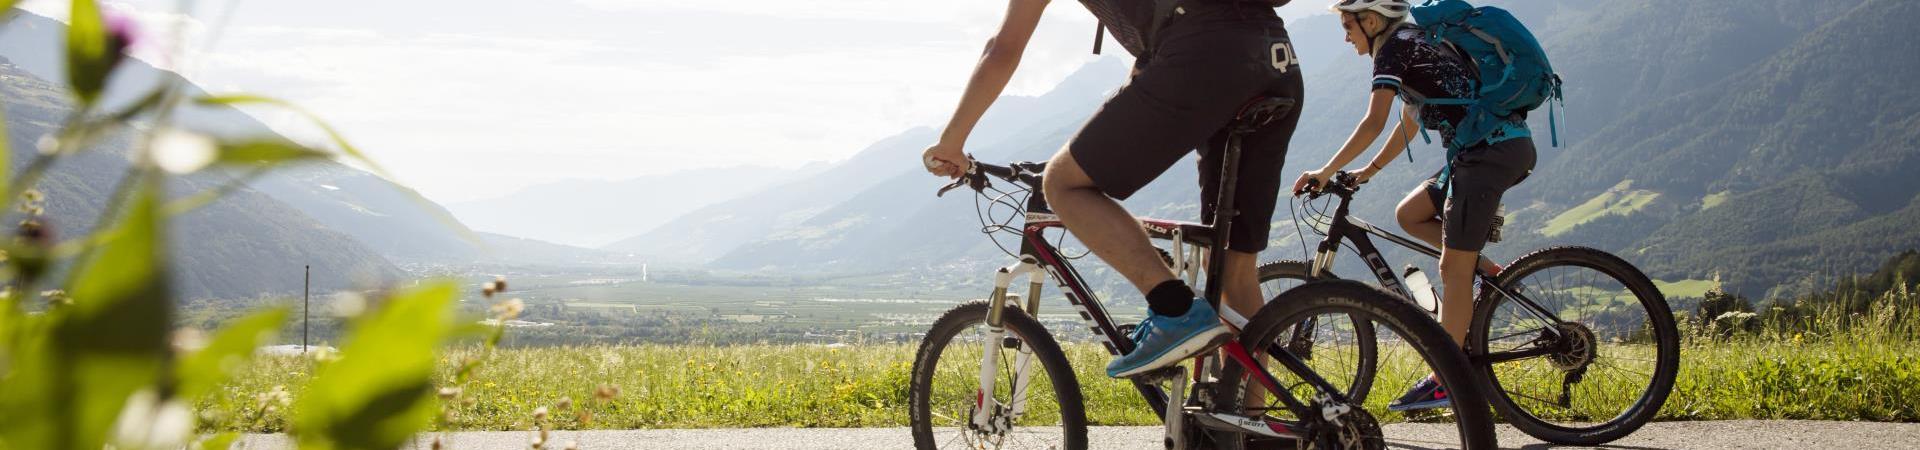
[1396, 143]
[1379, 107]
[990, 76]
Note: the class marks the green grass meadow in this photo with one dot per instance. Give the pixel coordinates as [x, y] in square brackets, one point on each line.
[866, 386]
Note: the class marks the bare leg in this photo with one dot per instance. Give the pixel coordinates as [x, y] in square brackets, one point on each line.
[1418, 218]
[1103, 225]
[1241, 281]
[1456, 296]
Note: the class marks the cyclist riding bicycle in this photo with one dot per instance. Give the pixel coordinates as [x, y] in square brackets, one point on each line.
[1455, 208]
[1198, 62]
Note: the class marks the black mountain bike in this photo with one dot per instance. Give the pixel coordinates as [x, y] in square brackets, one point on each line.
[1579, 346]
[990, 375]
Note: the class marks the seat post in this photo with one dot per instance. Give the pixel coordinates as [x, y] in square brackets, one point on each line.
[1223, 213]
[1257, 113]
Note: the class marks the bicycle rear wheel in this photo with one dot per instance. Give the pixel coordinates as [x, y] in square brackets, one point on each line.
[1411, 345]
[1596, 374]
[945, 389]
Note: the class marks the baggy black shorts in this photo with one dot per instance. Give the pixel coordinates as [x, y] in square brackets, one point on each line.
[1208, 62]
[1481, 175]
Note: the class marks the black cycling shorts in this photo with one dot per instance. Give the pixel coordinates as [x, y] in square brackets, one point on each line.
[1481, 175]
[1207, 64]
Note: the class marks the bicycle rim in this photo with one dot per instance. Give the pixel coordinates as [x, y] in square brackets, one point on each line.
[945, 389]
[1608, 364]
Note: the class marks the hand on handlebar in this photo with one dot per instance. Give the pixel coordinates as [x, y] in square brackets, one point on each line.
[1312, 181]
[946, 160]
[966, 173]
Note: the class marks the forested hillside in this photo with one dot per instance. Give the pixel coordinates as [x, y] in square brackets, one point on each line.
[243, 246]
[1770, 144]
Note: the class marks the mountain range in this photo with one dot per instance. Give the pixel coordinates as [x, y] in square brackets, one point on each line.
[244, 245]
[593, 213]
[1766, 144]
[356, 229]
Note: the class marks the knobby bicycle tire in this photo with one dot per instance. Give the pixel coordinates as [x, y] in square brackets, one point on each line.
[1660, 319]
[1472, 416]
[926, 361]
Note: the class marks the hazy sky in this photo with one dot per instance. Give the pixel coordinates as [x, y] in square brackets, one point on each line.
[472, 99]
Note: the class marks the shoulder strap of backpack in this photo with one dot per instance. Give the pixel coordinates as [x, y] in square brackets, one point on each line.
[1500, 50]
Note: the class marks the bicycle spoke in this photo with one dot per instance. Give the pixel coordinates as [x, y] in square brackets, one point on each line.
[1615, 340]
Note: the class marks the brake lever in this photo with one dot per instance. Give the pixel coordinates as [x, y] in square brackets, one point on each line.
[958, 182]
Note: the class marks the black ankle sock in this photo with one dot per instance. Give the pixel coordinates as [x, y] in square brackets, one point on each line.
[1172, 298]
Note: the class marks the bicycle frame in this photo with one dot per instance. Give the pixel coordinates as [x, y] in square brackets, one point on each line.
[1193, 243]
[1344, 228]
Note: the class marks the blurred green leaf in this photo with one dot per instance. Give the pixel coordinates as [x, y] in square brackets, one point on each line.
[228, 350]
[6, 164]
[338, 139]
[261, 155]
[265, 152]
[89, 56]
[380, 392]
[69, 384]
[440, 214]
[222, 441]
[206, 197]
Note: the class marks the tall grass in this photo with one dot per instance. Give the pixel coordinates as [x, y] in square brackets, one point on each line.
[1853, 354]
[1857, 375]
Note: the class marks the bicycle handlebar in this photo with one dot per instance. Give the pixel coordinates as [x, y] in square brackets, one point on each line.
[1342, 184]
[1025, 173]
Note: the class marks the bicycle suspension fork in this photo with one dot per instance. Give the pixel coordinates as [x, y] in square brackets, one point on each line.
[984, 414]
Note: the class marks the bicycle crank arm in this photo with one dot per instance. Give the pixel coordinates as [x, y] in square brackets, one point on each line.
[1176, 417]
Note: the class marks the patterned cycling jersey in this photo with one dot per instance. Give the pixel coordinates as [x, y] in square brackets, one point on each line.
[1418, 69]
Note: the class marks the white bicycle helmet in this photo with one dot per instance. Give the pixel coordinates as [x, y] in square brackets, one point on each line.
[1391, 9]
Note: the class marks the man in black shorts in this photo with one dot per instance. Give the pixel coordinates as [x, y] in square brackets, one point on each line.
[1204, 60]
[1456, 206]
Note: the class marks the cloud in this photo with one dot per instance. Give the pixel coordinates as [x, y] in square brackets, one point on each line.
[491, 97]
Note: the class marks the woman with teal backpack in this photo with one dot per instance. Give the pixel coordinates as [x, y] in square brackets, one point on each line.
[1488, 153]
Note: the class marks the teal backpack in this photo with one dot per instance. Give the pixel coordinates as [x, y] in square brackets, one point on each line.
[1515, 76]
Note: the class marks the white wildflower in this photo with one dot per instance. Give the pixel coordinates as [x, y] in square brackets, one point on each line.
[148, 423]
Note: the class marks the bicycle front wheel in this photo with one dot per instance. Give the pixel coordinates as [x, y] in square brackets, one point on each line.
[1584, 353]
[1411, 346]
[1341, 349]
[1034, 400]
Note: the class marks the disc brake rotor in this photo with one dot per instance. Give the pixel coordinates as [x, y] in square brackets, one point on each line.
[1576, 347]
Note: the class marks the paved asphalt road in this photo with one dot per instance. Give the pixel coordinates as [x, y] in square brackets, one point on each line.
[1795, 435]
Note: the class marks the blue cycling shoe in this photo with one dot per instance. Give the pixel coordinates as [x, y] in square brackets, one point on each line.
[1427, 394]
[1161, 341]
